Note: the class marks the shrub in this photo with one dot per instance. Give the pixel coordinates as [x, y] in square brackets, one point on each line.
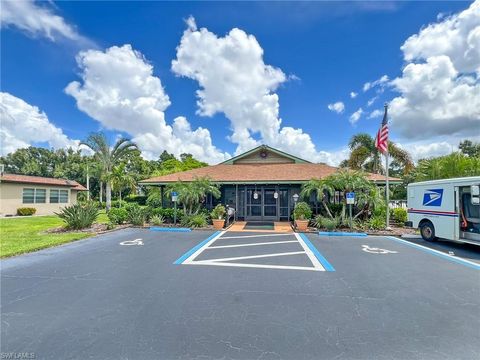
[376, 223]
[166, 213]
[194, 221]
[79, 216]
[26, 211]
[118, 203]
[400, 215]
[218, 212]
[327, 223]
[302, 211]
[136, 215]
[154, 200]
[110, 226]
[136, 199]
[117, 215]
[335, 209]
[157, 220]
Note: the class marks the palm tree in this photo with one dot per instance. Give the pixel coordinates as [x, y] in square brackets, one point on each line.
[108, 157]
[121, 179]
[191, 194]
[365, 156]
[320, 188]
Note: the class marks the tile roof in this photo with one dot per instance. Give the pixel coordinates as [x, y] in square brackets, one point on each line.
[251, 173]
[26, 179]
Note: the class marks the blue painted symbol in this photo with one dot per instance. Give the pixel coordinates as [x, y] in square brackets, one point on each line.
[433, 197]
[350, 195]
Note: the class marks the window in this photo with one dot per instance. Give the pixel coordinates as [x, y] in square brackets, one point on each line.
[64, 196]
[34, 196]
[54, 196]
[40, 196]
[58, 196]
[28, 196]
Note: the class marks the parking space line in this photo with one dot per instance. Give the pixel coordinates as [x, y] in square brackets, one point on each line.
[250, 236]
[262, 266]
[252, 256]
[457, 260]
[197, 250]
[251, 244]
[316, 258]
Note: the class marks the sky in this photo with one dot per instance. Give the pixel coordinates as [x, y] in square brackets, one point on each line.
[215, 79]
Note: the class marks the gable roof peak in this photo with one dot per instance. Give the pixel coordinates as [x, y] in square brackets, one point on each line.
[261, 147]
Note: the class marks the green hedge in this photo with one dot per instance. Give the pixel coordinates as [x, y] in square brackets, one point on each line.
[138, 199]
[26, 211]
[117, 215]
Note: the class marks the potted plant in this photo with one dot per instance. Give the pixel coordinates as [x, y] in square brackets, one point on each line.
[218, 214]
[302, 214]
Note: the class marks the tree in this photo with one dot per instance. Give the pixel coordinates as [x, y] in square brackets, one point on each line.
[320, 188]
[365, 156]
[121, 179]
[192, 194]
[108, 157]
[469, 148]
[448, 166]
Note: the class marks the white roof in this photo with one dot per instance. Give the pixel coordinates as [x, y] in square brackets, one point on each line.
[463, 180]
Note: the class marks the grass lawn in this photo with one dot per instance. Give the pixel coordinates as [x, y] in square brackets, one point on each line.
[22, 235]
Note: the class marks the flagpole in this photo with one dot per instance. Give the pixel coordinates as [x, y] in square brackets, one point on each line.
[387, 187]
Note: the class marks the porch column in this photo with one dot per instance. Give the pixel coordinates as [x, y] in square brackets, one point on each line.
[162, 195]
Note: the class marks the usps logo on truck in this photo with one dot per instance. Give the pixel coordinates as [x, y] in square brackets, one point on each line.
[433, 197]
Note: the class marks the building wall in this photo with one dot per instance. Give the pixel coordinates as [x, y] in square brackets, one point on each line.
[11, 198]
[272, 158]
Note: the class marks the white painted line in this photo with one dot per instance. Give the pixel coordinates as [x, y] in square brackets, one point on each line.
[309, 253]
[132, 242]
[192, 257]
[251, 244]
[251, 236]
[261, 266]
[253, 256]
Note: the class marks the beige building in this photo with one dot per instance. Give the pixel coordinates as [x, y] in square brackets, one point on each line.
[47, 195]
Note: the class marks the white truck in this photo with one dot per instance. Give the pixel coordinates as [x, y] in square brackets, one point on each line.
[447, 209]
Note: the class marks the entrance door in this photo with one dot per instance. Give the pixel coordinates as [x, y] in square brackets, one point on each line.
[254, 204]
[269, 205]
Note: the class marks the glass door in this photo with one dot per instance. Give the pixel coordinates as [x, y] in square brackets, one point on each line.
[269, 204]
[254, 204]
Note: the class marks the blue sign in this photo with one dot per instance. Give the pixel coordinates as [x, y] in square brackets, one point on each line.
[350, 196]
[433, 197]
[174, 193]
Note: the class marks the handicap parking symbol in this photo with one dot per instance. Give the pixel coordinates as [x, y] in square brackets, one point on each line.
[374, 250]
[132, 242]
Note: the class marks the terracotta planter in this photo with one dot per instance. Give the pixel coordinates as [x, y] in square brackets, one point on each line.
[301, 225]
[218, 223]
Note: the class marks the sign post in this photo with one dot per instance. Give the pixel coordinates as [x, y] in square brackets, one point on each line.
[350, 196]
[174, 199]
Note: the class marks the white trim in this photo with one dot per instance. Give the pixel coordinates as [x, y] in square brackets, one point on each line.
[309, 253]
[192, 257]
[252, 257]
[251, 244]
[284, 267]
[250, 236]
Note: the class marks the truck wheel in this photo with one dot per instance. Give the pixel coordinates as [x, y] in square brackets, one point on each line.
[427, 230]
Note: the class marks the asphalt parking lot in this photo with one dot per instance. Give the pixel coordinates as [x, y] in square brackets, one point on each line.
[140, 294]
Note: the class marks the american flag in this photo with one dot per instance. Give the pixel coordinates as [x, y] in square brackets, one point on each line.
[381, 140]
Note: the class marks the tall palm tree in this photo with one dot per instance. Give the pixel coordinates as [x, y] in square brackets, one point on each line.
[108, 157]
[191, 194]
[365, 156]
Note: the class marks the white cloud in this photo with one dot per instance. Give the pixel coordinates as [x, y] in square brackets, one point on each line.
[375, 113]
[456, 36]
[337, 107]
[24, 125]
[234, 80]
[356, 116]
[381, 82]
[37, 20]
[439, 89]
[119, 90]
[371, 101]
[353, 94]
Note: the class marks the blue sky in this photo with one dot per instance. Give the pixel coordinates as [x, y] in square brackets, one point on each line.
[324, 50]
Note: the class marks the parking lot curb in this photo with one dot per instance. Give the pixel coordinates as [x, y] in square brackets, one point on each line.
[166, 229]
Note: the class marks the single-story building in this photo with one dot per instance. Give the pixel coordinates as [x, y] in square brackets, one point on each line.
[260, 184]
[47, 195]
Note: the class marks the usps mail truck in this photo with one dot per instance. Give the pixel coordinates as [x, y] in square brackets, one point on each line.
[447, 209]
